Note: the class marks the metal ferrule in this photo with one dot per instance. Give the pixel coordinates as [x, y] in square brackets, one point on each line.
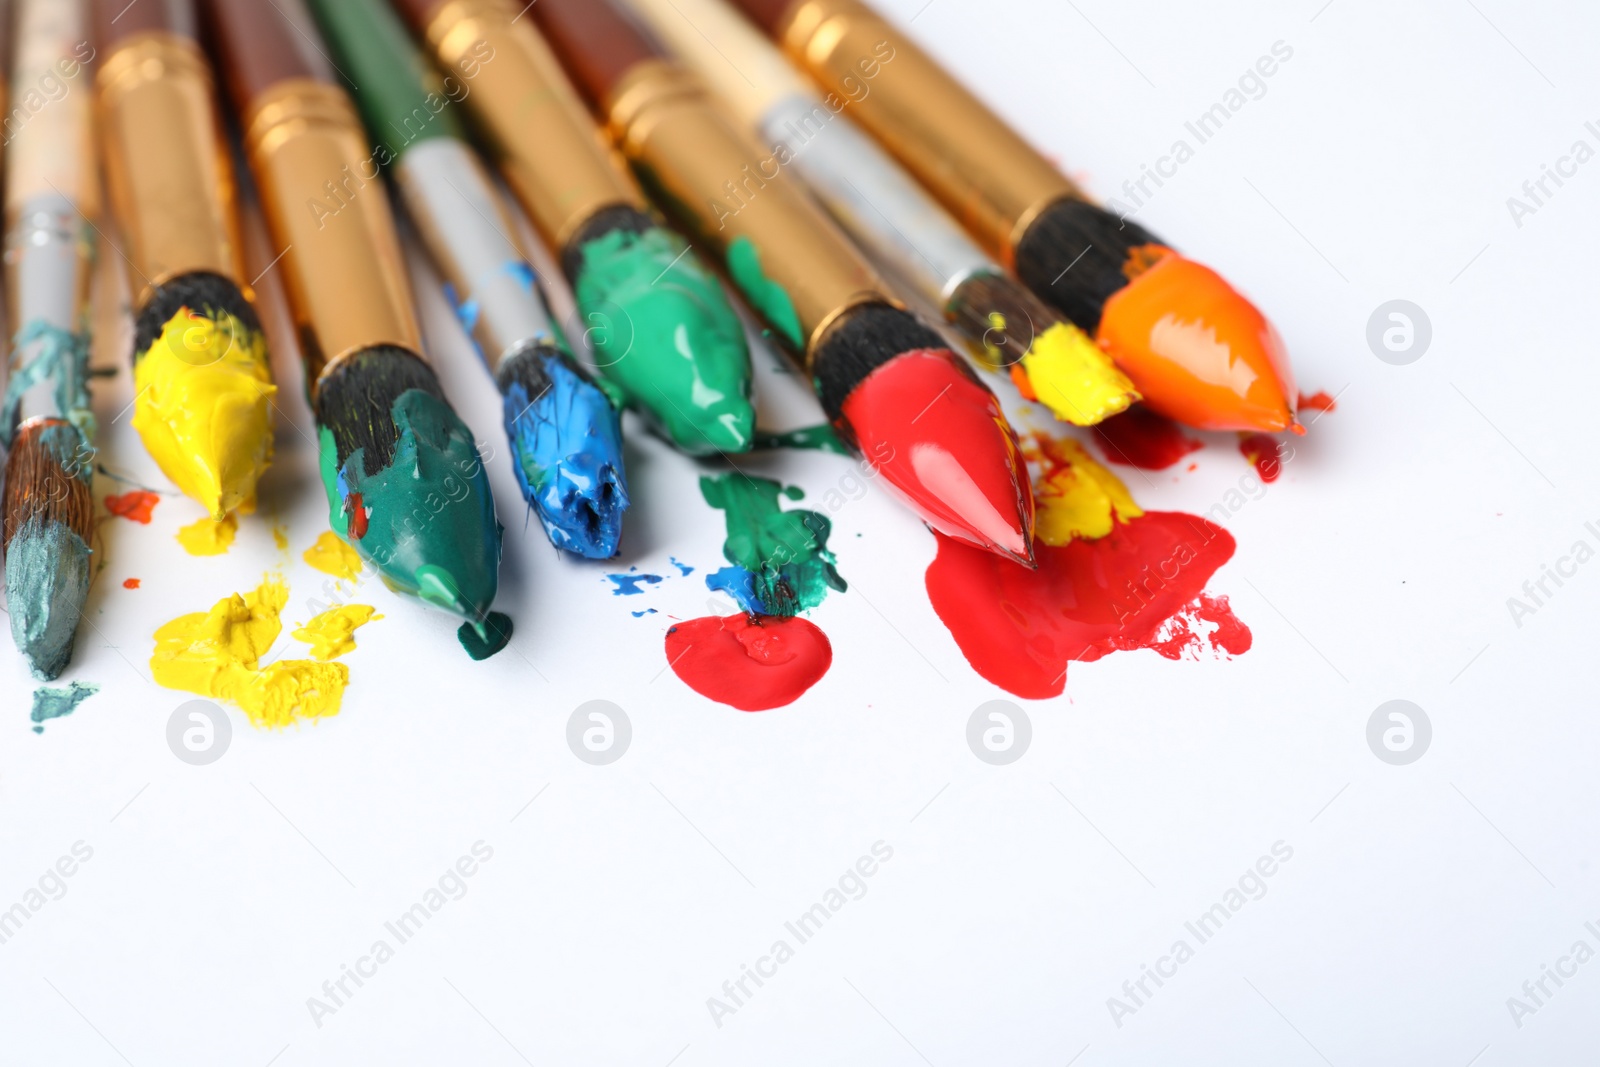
[874, 199]
[493, 289]
[554, 158]
[330, 220]
[170, 178]
[728, 188]
[48, 254]
[986, 175]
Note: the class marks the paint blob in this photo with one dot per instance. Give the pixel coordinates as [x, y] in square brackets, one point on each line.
[1260, 450]
[331, 555]
[811, 438]
[47, 580]
[1141, 438]
[136, 505]
[749, 663]
[333, 633]
[1072, 376]
[52, 703]
[781, 562]
[764, 294]
[683, 568]
[130, 583]
[495, 636]
[632, 584]
[1318, 401]
[1074, 495]
[209, 537]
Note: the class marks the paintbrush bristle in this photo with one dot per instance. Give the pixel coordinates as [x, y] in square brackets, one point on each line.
[998, 318]
[619, 217]
[864, 339]
[211, 295]
[41, 480]
[1075, 256]
[355, 401]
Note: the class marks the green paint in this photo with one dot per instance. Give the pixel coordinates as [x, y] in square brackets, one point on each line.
[431, 528]
[51, 703]
[666, 339]
[60, 358]
[816, 438]
[769, 298]
[482, 640]
[785, 553]
[47, 581]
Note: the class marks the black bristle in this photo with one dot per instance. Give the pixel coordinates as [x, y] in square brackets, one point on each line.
[356, 398]
[201, 291]
[865, 339]
[1073, 257]
[617, 217]
[527, 366]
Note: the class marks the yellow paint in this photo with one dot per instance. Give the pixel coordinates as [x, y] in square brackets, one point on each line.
[209, 537]
[331, 555]
[217, 654]
[280, 537]
[333, 633]
[203, 406]
[1074, 378]
[1076, 496]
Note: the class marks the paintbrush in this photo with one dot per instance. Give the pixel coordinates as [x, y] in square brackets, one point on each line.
[45, 418]
[1198, 350]
[663, 334]
[566, 441]
[889, 214]
[202, 381]
[406, 486]
[912, 408]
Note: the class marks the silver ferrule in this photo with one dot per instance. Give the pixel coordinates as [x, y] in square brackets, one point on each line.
[49, 251]
[462, 220]
[880, 205]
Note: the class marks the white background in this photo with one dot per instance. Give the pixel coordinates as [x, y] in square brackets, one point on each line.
[1018, 899]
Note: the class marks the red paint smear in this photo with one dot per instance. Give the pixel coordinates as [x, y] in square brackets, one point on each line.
[1262, 450]
[941, 442]
[1318, 401]
[130, 583]
[1140, 586]
[355, 516]
[136, 505]
[1141, 438]
[754, 662]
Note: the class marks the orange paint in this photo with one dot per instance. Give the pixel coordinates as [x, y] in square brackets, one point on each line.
[130, 583]
[1198, 350]
[136, 505]
[1318, 401]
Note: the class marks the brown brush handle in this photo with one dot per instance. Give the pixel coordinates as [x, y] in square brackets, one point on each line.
[117, 20]
[599, 44]
[257, 47]
[418, 12]
[770, 15]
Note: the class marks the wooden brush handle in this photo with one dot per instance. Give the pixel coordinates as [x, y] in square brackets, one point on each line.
[117, 20]
[258, 47]
[598, 42]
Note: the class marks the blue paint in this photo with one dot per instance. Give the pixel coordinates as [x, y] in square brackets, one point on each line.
[47, 581]
[739, 584]
[629, 584]
[50, 703]
[566, 448]
[683, 568]
[642, 614]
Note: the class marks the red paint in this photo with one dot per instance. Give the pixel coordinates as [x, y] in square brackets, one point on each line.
[1140, 586]
[751, 662]
[941, 442]
[1262, 450]
[136, 505]
[1141, 438]
[355, 516]
[1317, 401]
[130, 583]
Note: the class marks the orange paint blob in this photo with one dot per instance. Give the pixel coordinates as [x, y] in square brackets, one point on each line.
[130, 583]
[136, 505]
[1318, 401]
[1198, 350]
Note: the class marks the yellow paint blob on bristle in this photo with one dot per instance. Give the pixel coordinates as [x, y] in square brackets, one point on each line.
[1074, 495]
[1075, 378]
[217, 654]
[203, 406]
[209, 537]
[333, 633]
[331, 555]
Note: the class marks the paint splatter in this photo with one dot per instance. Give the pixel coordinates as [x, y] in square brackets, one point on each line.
[1141, 438]
[781, 562]
[496, 636]
[632, 584]
[130, 583]
[750, 663]
[333, 633]
[218, 653]
[280, 537]
[52, 703]
[1260, 450]
[812, 438]
[1074, 495]
[208, 537]
[331, 555]
[1318, 401]
[683, 568]
[136, 505]
[642, 614]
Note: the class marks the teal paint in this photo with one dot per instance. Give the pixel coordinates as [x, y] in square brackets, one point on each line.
[52, 703]
[484, 639]
[47, 581]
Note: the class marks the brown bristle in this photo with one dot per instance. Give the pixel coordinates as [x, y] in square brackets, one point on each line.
[37, 485]
[1022, 317]
[597, 42]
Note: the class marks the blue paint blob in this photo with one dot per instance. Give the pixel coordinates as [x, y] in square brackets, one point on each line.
[566, 448]
[739, 584]
[50, 703]
[642, 614]
[630, 584]
[683, 568]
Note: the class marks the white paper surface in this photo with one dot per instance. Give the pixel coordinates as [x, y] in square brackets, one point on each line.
[1376, 165]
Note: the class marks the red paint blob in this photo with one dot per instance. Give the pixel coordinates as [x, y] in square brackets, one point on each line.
[1318, 401]
[1140, 586]
[130, 583]
[1262, 450]
[751, 662]
[355, 516]
[941, 442]
[136, 505]
[1141, 438]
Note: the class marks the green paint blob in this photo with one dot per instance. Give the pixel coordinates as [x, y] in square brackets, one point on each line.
[666, 339]
[483, 640]
[815, 438]
[430, 524]
[784, 553]
[769, 298]
[47, 581]
[51, 703]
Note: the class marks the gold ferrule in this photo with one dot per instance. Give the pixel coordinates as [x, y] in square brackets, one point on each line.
[554, 158]
[986, 175]
[170, 177]
[724, 187]
[329, 216]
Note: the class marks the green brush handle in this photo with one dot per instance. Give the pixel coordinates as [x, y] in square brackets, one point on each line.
[400, 94]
